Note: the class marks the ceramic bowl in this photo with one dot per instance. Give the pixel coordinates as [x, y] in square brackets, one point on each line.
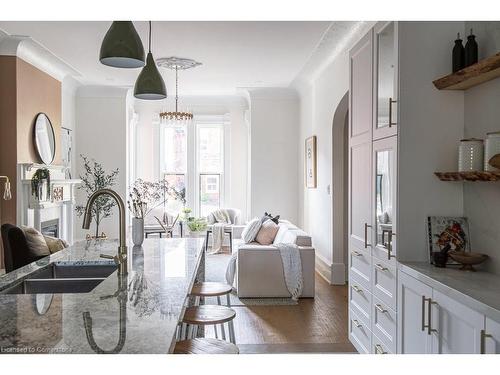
[467, 259]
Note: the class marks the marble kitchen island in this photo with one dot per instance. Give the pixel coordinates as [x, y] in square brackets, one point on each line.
[135, 313]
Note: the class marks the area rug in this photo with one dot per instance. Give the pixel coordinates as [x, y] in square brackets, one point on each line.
[216, 271]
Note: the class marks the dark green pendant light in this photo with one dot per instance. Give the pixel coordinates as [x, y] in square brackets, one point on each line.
[122, 46]
[149, 84]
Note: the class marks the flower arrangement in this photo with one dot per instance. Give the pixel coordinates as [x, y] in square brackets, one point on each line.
[38, 178]
[197, 224]
[145, 196]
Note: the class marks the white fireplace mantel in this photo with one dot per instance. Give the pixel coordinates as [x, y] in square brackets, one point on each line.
[58, 205]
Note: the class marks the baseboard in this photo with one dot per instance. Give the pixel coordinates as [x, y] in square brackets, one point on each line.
[333, 273]
[323, 268]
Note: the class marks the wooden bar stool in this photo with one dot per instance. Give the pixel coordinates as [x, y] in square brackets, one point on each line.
[212, 289]
[205, 346]
[208, 315]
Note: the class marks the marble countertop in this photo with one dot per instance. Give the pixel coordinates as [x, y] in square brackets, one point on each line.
[134, 313]
[478, 290]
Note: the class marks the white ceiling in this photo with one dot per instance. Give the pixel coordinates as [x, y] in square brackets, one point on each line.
[234, 54]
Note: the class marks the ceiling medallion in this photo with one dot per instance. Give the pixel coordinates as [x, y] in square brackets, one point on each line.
[176, 63]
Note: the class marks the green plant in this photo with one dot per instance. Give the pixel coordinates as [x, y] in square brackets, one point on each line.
[40, 175]
[96, 178]
[196, 224]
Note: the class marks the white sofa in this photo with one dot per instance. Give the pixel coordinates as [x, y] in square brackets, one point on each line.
[259, 269]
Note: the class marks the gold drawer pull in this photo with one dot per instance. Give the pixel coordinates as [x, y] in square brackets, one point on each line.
[357, 289]
[381, 267]
[357, 324]
[380, 308]
[379, 349]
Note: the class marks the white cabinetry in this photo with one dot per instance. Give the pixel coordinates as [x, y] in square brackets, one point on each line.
[490, 337]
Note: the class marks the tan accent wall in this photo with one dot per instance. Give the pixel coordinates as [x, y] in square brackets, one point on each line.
[25, 91]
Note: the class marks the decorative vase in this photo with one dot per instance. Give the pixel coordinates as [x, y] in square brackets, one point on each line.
[137, 231]
[470, 155]
[471, 50]
[458, 59]
[491, 148]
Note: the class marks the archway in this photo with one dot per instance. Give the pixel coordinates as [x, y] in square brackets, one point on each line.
[339, 191]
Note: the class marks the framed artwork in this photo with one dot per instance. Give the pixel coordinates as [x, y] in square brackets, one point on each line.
[447, 233]
[311, 162]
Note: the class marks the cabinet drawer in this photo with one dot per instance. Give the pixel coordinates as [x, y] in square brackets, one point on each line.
[379, 347]
[360, 300]
[360, 265]
[384, 283]
[384, 322]
[359, 333]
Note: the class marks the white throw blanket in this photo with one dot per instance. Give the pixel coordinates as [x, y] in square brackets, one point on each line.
[222, 219]
[292, 268]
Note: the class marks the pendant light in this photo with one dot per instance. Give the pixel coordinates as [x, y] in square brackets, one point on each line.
[122, 46]
[149, 84]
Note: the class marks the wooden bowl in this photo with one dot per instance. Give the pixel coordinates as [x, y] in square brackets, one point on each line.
[495, 161]
[467, 259]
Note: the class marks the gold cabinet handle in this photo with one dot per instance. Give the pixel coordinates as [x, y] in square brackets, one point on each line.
[357, 324]
[381, 267]
[379, 349]
[380, 308]
[484, 335]
[356, 253]
[389, 246]
[366, 234]
[357, 289]
[390, 112]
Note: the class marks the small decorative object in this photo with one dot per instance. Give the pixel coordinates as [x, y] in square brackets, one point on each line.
[446, 234]
[40, 178]
[470, 155]
[468, 259]
[137, 230]
[102, 236]
[96, 178]
[145, 196]
[458, 59]
[44, 139]
[7, 194]
[58, 193]
[491, 148]
[196, 225]
[471, 50]
[495, 161]
[310, 153]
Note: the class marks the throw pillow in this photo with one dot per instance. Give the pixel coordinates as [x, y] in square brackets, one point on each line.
[55, 244]
[267, 232]
[250, 231]
[36, 243]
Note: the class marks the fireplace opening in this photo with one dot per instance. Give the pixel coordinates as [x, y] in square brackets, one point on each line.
[50, 228]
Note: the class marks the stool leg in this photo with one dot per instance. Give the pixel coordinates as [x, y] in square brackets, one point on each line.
[215, 330]
[228, 300]
[231, 332]
[222, 330]
[206, 242]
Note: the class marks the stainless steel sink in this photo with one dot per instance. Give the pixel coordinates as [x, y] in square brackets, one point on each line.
[63, 278]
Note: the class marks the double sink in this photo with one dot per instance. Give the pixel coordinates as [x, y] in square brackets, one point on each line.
[63, 278]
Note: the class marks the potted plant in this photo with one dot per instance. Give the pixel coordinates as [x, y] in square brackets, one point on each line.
[196, 226]
[95, 178]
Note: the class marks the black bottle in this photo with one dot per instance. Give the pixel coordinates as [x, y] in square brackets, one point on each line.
[458, 60]
[470, 50]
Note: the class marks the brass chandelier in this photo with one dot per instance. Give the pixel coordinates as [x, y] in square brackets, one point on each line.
[176, 63]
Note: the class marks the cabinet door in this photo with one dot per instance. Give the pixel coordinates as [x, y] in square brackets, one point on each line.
[384, 199]
[413, 336]
[456, 328]
[385, 80]
[491, 337]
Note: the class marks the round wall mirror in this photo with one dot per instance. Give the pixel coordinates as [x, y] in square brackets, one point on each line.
[45, 141]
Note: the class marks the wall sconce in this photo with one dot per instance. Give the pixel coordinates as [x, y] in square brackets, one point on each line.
[7, 195]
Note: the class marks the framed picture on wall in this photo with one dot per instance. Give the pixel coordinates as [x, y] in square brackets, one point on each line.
[310, 163]
[447, 233]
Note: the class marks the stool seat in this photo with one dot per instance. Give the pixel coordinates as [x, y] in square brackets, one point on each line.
[210, 289]
[205, 346]
[208, 314]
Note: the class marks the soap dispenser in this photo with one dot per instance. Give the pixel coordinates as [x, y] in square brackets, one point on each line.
[471, 50]
[458, 59]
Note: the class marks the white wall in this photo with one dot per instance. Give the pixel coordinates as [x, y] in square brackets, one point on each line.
[69, 87]
[101, 134]
[482, 113]
[274, 130]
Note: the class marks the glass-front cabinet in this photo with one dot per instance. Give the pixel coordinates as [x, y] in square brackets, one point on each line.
[384, 199]
[385, 117]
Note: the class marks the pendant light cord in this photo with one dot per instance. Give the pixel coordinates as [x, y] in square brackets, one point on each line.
[149, 36]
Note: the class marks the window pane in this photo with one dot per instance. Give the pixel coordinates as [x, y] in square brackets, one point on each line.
[209, 193]
[174, 149]
[178, 182]
[210, 149]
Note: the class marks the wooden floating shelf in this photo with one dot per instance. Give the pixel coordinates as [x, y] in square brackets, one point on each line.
[468, 176]
[483, 71]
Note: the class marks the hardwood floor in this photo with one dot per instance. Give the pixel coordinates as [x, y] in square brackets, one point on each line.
[316, 325]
